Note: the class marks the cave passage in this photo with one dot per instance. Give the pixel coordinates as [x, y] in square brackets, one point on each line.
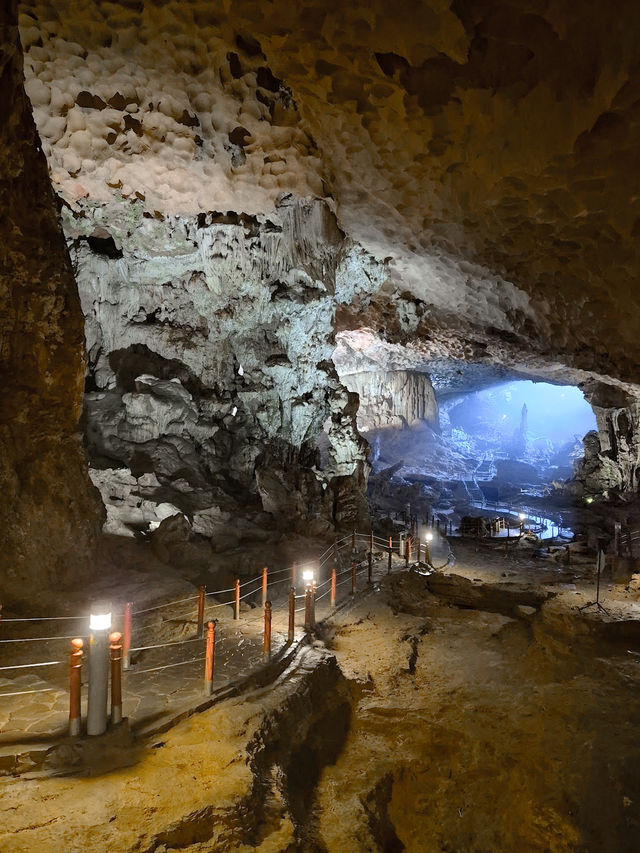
[498, 444]
[522, 434]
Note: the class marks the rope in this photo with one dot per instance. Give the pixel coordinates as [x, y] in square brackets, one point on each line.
[45, 639]
[41, 618]
[166, 666]
[27, 692]
[30, 665]
[162, 645]
[219, 591]
[166, 604]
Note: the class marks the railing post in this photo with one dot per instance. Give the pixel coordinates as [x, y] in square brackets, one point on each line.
[353, 577]
[333, 588]
[115, 654]
[407, 553]
[264, 586]
[266, 642]
[75, 688]
[209, 658]
[390, 555]
[292, 614]
[236, 599]
[126, 636]
[201, 594]
[307, 609]
[427, 553]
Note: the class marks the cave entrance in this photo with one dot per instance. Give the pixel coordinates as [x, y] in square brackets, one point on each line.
[501, 444]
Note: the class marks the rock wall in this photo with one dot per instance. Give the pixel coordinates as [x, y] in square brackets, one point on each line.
[611, 462]
[209, 370]
[397, 398]
[49, 509]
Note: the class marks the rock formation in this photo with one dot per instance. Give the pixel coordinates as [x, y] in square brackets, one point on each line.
[455, 183]
[393, 399]
[50, 512]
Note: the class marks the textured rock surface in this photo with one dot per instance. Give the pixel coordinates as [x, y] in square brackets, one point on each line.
[209, 354]
[393, 399]
[49, 510]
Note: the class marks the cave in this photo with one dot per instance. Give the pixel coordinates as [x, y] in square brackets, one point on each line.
[320, 426]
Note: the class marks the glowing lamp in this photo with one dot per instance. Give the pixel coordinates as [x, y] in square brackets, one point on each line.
[429, 537]
[521, 516]
[307, 575]
[588, 500]
[100, 621]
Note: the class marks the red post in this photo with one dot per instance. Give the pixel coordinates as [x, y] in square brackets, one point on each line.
[266, 643]
[333, 587]
[75, 687]
[307, 608]
[390, 555]
[126, 636]
[201, 595]
[264, 587]
[236, 602]
[209, 658]
[115, 654]
[353, 577]
[292, 614]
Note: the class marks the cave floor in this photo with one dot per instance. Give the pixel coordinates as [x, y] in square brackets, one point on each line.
[473, 711]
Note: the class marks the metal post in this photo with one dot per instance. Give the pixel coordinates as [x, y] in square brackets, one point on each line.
[292, 614]
[115, 653]
[390, 555]
[201, 594]
[126, 636]
[99, 626]
[333, 588]
[353, 577]
[307, 609]
[236, 599]
[266, 643]
[264, 586]
[75, 688]
[209, 658]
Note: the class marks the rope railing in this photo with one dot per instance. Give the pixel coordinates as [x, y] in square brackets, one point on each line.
[268, 580]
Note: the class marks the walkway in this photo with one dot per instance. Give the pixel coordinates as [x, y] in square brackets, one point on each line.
[165, 680]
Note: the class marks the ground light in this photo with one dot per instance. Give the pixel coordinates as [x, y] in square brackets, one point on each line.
[99, 626]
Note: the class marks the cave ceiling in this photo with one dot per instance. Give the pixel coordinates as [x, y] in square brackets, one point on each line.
[488, 152]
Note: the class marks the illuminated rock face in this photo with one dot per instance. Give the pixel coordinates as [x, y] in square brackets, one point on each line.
[210, 343]
[398, 398]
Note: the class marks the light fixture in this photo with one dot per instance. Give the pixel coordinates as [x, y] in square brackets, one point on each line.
[429, 537]
[100, 621]
[521, 516]
[307, 575]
